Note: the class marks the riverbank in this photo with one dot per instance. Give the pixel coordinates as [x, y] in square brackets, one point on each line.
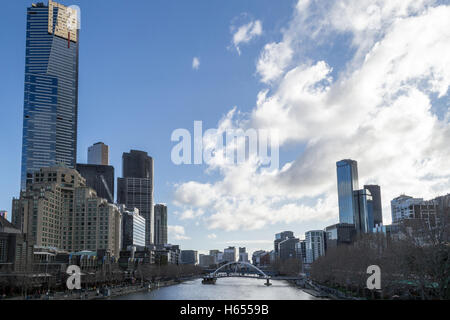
[112, 291]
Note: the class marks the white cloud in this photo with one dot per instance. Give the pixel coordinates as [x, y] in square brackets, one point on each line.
[377, 110]
[246, 33]
[195, 63]
[177, 233]
[212, 236]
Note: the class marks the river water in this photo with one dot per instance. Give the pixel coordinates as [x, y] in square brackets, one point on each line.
[224, 289]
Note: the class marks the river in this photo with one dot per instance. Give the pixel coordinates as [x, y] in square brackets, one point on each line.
[224, 289]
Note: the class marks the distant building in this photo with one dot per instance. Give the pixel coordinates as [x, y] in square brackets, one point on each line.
[206, 260]
[4, 214]
[347, 182]
[58, 210]
[167, 254]
[363, 219]
[229, 254]
[100, 178]
[339, 234]
[315, 245]
[16, 253]
[98, 154]
[287, 249]
[406, 207]
[243, 255]
[189, 257]
[135, 189]
[300, 249]
[160, 215]
[375, 191]
[133, 228]
[217, 254]
[279, 237]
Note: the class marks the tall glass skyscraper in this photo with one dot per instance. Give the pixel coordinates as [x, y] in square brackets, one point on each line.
[347, 183]
[51, 88]
[135, 189]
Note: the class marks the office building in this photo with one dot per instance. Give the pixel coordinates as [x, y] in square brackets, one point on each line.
[160, 214]
[98, 154]
[4, 214]
[100, 178]
[315, 245]
[133, 228]
[347, 183]
[340, 234]
[363, 220]
[375, 191]
[229, 254]
[167, 254]
[50, 114]
[189, 257]
[16, 253]
[281, 237]
[58, 210]
[287, 249]
[243, 255]
[135, 189]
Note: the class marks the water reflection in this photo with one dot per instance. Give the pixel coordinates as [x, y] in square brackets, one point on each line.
[224, 289]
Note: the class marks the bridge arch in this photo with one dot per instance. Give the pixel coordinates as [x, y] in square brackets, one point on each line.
[242, 264]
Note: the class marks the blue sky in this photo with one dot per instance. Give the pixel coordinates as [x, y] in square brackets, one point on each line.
[137, 85]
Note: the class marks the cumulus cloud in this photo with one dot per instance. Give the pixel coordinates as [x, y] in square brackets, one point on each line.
[377, 110]
[195, 63]
[212, 236]
[177, 233]
[246, 33]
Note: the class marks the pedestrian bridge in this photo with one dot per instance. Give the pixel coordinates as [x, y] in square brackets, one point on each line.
[242, 270]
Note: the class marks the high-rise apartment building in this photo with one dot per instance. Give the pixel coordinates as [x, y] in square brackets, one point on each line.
[160, 214]
[347, 183]
[243, 255]
[229, 254]
[98, 154]
[51, 89]
[406, 207]
[287, 248]
[135, 189]
[279, 237]
[315, 245]
[375, 191]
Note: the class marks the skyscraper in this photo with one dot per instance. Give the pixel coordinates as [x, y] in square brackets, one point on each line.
[100, 178]
[279, 237]
[98, 154]
[160, 213]
[377, 207]
[51, 89]
[135, 189]
[347, 182]
[364, 211]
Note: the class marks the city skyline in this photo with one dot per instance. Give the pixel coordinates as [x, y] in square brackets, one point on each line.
[216, 207]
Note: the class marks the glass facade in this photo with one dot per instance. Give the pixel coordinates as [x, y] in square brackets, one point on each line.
[50, 92]
[364, 220]
[347, 182]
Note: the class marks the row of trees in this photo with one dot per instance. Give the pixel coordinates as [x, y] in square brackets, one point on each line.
[414, 263]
